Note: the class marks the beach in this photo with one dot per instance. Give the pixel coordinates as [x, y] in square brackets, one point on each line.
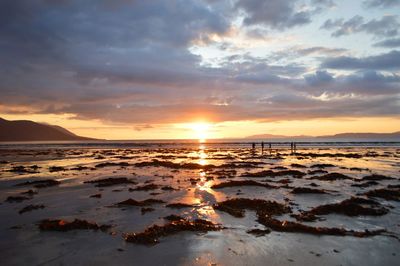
[199, 204]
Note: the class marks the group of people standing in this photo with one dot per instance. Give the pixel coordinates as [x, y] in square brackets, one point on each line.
[293, 146]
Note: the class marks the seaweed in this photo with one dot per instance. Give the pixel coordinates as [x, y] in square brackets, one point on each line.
[236, 207]
[387, 194]
[144, 210]
[111, 181]
[179, 205]
[56, 168]
[322, 165]
[145, 187]
[351, 207]
[258, 232]
[331, 177]
[77, 224]
[107, 164]
[306, 190]
[151, 235]
[40, 183]
[270, 173]
[173, 217]
[31, 208]
[293, 227]
[132, 202]
[239, 183]
[17, 198]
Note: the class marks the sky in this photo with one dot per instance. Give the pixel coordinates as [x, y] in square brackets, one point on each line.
[131, 69]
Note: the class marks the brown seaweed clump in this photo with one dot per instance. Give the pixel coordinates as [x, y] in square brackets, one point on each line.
[350, 207]
[145, 187]
[387, 194]
[331, 177]
[77, 224]
[288, 226]
[145, 210]
[375, 177]
[236, 207]
[40, 183]
[270, 173]
[107, 182]
[179, 205]
[239, 183]
[31, 208]
[258, 232]
[132, 202]
[152, 234]
[306, 190]
[17, 198]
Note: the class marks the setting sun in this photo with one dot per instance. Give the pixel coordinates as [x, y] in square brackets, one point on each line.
[201, 130]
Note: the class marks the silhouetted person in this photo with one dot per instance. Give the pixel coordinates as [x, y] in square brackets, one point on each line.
[253, 145]
[262, 147]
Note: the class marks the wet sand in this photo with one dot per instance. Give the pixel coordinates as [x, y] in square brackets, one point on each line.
[200, 206]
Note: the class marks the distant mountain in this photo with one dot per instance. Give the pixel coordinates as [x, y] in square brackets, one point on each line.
[24, 130]
[395, 136]
[271, 136]
[378, 136]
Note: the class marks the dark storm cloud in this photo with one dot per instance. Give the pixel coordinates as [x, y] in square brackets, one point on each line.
[389, 43]
[387, 61]
[387, 26]
[381, 3]
[278, 14]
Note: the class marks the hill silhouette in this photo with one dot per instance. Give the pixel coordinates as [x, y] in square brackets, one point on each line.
[25, 130]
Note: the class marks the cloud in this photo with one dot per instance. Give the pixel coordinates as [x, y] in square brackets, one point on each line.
[381, 3]
[389, 43]
[387, 26]
[130, 62]
[387, 61]
[278, 14]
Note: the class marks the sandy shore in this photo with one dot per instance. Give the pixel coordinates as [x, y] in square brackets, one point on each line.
[202, 206]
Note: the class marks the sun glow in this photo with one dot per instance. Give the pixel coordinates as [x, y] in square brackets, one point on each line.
[201, 130]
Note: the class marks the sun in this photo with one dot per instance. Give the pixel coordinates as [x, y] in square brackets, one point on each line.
[200, 130]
